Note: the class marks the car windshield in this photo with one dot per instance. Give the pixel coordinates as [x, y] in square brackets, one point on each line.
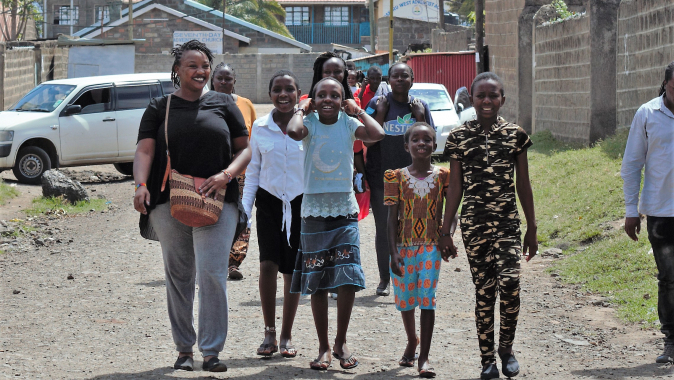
[438, 100]
[44, 98]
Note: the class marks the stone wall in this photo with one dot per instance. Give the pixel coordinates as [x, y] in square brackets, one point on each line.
[450, 41]
[501, 35]
[253, 71]
[18, 66]
[18, 73]
[645, 47]
[406, 32]
[562, 79]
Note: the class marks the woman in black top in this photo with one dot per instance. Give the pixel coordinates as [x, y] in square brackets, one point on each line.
[207, 138]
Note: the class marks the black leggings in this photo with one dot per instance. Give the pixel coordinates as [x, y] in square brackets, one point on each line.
[380, 212]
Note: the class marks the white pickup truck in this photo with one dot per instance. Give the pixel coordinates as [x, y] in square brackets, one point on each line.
[74, 122]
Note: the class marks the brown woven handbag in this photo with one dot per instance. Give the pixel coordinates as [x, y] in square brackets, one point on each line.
[187, 205]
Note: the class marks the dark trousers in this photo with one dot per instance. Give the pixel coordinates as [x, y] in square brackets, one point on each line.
[381, 224]
[661, 236]
[493, 252]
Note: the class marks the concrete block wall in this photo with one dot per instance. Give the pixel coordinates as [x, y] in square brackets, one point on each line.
[406, 32]
[17, 76]
[450, 41]
[645, 47]
[501, 34]
[52, 59]
[562, 73]
[253, 71]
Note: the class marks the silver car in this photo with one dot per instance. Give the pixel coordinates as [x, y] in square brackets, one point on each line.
[442, 110]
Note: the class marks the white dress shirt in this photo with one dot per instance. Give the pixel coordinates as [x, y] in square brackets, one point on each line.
[277, 166]
[650, 143]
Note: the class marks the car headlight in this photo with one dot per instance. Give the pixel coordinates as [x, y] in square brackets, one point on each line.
[6, 135]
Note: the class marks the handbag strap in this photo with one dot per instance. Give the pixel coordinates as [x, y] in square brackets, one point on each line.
[168, 155]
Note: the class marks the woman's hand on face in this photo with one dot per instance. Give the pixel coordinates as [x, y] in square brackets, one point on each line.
[214, 183]
[141, 199]
[417, 109]
[350, 107]
[307, 105]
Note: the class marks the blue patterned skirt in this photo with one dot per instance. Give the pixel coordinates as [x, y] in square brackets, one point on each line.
[329, 255]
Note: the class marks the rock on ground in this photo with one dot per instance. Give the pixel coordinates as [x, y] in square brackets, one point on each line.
[57, 184]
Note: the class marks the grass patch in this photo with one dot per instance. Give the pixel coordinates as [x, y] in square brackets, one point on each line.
[576, 189]
[7, 192]
[58, 205]
[620, 269]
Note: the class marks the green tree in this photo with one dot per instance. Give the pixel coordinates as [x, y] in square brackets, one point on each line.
[265, 13]
[15, 15]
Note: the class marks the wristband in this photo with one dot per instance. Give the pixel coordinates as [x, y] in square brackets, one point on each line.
[300, 110]
[445, 235]
[138, 186]
[228, 174]
[362, 112]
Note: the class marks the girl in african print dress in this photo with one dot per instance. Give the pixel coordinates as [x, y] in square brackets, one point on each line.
[414, 196]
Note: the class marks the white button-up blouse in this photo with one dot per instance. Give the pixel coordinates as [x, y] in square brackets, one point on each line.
[277, 166]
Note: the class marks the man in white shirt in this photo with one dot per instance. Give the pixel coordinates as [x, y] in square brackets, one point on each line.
[651, 144]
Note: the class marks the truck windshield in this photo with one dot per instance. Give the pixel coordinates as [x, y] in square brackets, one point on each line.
[438, 100]
[43, 98]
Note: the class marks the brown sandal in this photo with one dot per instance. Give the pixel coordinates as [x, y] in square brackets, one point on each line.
[267, 349]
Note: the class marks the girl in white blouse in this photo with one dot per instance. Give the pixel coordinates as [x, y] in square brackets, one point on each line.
[274, 181]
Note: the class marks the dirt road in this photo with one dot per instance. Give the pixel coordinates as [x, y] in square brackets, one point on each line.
[89, 303]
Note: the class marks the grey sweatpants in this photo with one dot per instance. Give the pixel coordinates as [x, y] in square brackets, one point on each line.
[199, 253]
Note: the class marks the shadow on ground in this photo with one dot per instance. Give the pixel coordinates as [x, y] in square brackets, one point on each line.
[618, 373]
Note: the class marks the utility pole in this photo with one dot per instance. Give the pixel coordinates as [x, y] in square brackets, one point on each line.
[479, 34]
[71, 15]
[441, 14]
[224, 12]
[44, 18]
[130, 20]
[390, 34]
[373, 27]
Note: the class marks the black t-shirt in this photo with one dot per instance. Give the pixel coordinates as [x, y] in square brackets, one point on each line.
[200, 137]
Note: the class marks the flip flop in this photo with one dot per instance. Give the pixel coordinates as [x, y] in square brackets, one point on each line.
[346, 363]
[262, 350]
[427, 372]
[319, 365]
[288, 351]
[407, 362]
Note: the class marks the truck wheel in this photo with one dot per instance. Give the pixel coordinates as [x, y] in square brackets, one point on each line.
[31, 162]
[125, 168]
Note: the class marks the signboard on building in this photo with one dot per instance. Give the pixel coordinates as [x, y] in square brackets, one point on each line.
[421, 10]
[211, 38]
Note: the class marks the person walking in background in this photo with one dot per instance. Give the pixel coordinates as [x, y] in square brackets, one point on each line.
[651, 144]
[207, 138]
[372, 86]
[223, 80]
[278, 199]
[415, 258]
[329, 239]
[396, 112]
[485, 154]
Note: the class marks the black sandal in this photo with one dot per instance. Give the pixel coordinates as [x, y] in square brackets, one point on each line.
[268, 349]
[186, 363]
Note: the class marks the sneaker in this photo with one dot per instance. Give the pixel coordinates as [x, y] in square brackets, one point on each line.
[214, 365]
[509, 365]
[489, 371]
[667, 355]
[333, 296]
[186, 363]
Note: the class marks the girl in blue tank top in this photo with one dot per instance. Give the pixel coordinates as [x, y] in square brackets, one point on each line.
[329, 258]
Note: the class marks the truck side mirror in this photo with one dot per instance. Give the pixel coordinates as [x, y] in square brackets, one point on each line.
[459, 107]
[72, 109]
